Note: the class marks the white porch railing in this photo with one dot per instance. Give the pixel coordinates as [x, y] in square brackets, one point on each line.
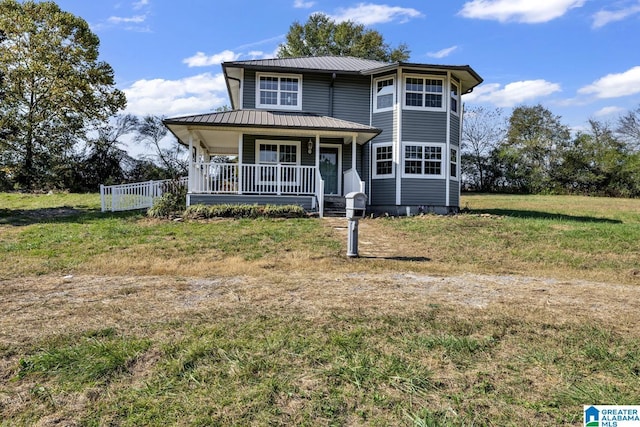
[221, 178]
[139, 195]
[352, 182]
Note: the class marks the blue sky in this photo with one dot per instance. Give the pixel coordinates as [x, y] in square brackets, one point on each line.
[579, 58]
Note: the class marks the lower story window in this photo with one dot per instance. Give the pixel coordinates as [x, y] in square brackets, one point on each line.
[422, 160]
[274, 153]
[454, 163]
[383, 161]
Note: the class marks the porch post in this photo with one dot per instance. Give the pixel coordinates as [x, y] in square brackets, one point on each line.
[190, 185]
[240, 163]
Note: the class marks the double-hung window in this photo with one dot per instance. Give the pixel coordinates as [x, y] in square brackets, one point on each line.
[383, 160]
[279, 91]
[278, 155]
[423, 160]
[455, 97]
[385, 94]
[424, 93]
[453, 163]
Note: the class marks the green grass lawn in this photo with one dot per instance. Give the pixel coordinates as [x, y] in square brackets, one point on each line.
[258, 354]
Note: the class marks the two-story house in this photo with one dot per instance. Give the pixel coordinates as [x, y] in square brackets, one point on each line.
[306, 130]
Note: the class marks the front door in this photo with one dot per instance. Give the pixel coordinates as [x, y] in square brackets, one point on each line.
[329, 169]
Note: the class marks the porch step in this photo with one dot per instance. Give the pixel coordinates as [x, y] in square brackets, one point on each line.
[334, 206]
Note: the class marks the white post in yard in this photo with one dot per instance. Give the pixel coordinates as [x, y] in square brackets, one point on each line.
[102, 201]
[191, 177]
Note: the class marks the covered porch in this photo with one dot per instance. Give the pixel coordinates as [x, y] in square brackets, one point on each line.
[258, 156]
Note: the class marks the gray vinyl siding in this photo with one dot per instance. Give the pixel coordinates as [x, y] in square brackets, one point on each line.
[455, 130]
[249, 89]
[251, 199]
[383, 121]
[383, 191]
[454, 199]
[350, 95]
[351, 98]
[315, 94]
[424, 126]
[427, 192]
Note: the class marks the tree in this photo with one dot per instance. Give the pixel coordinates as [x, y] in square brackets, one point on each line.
[629, 128]
[483, 130]
[54, 85]
[104, 159]
[532, 150]
[321, 36]
[151, 131]
[594, 163]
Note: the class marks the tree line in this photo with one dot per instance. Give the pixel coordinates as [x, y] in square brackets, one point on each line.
[533, 152]
[60, 126]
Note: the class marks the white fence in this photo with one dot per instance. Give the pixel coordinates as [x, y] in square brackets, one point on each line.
[232, 178]
[139, 195]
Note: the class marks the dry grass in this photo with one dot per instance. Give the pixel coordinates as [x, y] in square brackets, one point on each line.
[268, 323]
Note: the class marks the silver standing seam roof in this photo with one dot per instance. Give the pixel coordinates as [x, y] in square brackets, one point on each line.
[275, 119]
[256, 120]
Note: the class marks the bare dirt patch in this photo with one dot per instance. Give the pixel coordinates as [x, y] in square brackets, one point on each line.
[39, 306]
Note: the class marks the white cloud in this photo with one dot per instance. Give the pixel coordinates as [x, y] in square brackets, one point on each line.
[124, 20]
[615, 85]
[140, 4]
[604, 17]
[301, 4]
[200, 59]
[191, 95]
[608, 111]
[526, 11]
[369, 14]
[442, 53]
[512, 94]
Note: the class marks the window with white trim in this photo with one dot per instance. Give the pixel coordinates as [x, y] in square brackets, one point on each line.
[385, 94]
[423, 160]
[455, 97]
[274, 153]
[279, 91]
[424, 93]
[453, 160]
[383, 160]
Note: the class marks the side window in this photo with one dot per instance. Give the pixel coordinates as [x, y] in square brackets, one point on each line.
[385, 94]
[455, 97]
[383, 161]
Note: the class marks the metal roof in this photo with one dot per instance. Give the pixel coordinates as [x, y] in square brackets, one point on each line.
[317, 63]
[271, 122]
[265, 118]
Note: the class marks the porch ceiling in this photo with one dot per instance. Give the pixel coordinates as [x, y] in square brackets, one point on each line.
[220, 131]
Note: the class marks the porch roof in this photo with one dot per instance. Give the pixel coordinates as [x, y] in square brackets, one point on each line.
[227, 125]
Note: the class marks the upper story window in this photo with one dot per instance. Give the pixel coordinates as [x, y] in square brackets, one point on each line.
[423, 160]
[279, 91]
[383, 160]
[385, 94]
[455, 97]
[424, 93]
